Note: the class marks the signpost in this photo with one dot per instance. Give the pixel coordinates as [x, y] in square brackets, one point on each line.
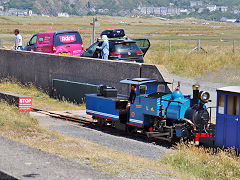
[25, 104]
[94, 29]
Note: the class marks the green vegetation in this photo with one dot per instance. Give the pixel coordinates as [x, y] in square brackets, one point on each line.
[20, 4]
[40, 99]
[10, 118]
[205, 163]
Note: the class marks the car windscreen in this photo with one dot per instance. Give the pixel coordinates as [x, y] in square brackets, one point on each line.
[67, 38]
[126, 46]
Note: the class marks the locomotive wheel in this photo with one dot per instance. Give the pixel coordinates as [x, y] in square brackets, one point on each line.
[101, 122]
[131, 129]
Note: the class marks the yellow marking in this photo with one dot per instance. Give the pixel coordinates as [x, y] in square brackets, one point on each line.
[147, 108]
[138, 106]
[133, 114]
[161, 66]
[152, 109]
[75, 116]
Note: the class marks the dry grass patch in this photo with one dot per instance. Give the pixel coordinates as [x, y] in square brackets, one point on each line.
[205, 163]
[136, 27]
[184, 63]
[40, 98]
[25, 129]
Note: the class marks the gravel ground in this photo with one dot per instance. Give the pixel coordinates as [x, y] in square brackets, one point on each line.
[24, 162]
[125, 144]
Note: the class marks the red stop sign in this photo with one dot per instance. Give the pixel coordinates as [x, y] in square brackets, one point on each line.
[25, 104]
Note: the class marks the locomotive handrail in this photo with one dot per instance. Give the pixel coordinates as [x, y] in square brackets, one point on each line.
[214, 107]
[172, 101]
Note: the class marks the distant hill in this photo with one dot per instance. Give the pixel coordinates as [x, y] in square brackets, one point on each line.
[52, 7]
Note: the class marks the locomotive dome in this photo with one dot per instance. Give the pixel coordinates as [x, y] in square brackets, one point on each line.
[177, 94]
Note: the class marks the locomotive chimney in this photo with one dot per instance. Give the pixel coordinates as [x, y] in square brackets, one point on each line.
[196, 89]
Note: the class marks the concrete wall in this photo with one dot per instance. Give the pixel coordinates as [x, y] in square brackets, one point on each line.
[40, 69]
[158, 72]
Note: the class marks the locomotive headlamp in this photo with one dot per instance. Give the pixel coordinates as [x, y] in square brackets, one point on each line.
[205, 96]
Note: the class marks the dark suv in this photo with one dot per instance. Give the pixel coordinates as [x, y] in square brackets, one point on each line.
[121, 48]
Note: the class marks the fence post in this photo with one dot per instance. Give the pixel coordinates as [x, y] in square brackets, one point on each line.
[170, 46]
[234, 46]
[199, 46]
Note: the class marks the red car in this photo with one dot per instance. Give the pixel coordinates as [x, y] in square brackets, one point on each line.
[57, 42]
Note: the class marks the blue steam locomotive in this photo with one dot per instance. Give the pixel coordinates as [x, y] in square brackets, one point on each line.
[153, 110]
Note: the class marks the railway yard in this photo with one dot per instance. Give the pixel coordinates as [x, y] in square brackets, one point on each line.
[107, 136]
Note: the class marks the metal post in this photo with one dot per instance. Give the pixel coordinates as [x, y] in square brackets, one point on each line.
[234, 46]
[170, 46]
[94, 21]
[199, 46]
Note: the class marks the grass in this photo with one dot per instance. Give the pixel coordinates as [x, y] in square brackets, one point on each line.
[219, 65]
[205, 163]
[23, 128]
[40, 98]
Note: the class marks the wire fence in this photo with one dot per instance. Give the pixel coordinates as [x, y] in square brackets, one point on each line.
[198, 46]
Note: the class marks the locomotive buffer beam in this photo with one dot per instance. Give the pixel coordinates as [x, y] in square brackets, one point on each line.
[159, 135]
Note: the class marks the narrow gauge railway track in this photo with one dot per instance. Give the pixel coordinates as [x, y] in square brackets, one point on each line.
[82, 120]
[85, 122]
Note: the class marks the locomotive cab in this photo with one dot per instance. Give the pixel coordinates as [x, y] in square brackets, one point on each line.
[147, 87]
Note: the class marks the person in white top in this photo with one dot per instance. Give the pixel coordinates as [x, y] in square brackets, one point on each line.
[18, 41]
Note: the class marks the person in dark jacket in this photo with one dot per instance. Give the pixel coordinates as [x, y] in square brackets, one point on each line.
[133, 95]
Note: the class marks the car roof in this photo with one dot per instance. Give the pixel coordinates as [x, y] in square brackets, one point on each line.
[58, 32]
[121, 40]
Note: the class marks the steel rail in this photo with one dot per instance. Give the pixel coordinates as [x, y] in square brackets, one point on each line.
[94, 125]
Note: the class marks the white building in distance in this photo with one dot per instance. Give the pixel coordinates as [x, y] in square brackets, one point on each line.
[63, 15]
[212, 8]
[222, 8]
[196, 3]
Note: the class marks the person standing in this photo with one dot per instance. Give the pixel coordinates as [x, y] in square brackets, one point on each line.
[132, 97]
[18, 41]
[105, 47]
